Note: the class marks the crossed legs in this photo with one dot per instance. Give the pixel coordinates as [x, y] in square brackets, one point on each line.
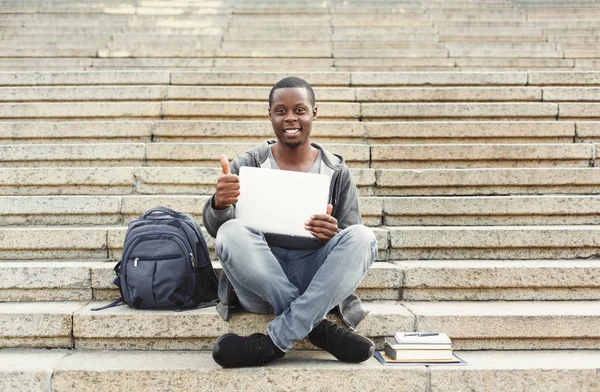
[300, 287]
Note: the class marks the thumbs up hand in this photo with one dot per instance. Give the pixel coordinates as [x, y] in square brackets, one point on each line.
[228, 186]
[224, 164]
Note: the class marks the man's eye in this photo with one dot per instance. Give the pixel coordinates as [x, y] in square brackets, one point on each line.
[301, 110]
[280, 111]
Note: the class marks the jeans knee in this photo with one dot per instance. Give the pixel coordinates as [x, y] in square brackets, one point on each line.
[363, 235]
[227, 234]
[363, 239]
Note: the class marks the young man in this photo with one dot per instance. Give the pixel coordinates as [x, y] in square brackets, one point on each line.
[299, 286]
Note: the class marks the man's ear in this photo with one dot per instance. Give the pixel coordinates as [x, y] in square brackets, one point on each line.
[269, 109]
[315, 112]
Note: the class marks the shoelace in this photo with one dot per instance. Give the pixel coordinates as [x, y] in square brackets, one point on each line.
[257, 349]
[335, 334]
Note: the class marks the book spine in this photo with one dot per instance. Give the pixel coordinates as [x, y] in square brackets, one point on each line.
[390, 352]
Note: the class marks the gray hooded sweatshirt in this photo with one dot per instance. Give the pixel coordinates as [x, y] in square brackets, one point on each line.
[342, 195]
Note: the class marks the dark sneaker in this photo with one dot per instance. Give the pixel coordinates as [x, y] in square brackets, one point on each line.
[233, 351]
[346, 346]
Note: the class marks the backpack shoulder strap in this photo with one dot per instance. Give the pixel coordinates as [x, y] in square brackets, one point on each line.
[110, 305]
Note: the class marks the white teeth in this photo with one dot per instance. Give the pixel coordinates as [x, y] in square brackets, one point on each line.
[292, 130]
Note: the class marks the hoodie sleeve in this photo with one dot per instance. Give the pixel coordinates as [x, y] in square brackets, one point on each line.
[213, 218]
[345, 209]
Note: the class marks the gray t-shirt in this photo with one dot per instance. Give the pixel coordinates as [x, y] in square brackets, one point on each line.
[315, 168]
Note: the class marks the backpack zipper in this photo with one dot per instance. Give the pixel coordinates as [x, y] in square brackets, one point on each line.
[176, 235]
[196, 231]
[168, 257]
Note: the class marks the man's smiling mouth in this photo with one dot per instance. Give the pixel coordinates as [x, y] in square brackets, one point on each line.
[291, 131]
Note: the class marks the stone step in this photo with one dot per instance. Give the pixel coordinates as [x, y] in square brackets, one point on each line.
[82, 110]
[472, 131]
[492, 53]
[387, 53]
[83, 78]
[57, 370]
[76, 132]
[256, 78]
[387, 210]
[529, 325]
[493, 242]
[29, 45]
[567, 64]
[450, 94]
[231, 110]
[390, 79]
[419, 280]
[391, 156]
[564, 78]
[112, 210]
[394, 242]
[587, 63]
[341, 79]
[493, 37]
[156, 154]
[235, 64]
[80, 93]
[177, 63]
[498, 280]
[403, 182]
[475, 111]
[421, 64]
[64, 63]
[485, 210]
[92, 280]
[532, 46]
[583, 54]
[373, 45]
[513, 64]
[234, 93]
[179, 131]
[157, 110]
[578, 38]
[91, 242]
[480, 155]
[33, 281]
[370, 182]
[24, 370]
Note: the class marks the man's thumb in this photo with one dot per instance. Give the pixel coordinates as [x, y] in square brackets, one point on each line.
[224, 164]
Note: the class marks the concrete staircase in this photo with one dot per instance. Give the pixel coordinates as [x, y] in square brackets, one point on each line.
[471, 129]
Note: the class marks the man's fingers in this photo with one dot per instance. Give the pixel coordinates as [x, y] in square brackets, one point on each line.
[321, 236]
[329, 209]
[224, 164]
[229, 178]
[322, 217]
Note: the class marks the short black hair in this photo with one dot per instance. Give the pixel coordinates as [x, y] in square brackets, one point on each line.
[293, 82]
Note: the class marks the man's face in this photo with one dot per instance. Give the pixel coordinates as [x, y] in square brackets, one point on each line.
[291, 115]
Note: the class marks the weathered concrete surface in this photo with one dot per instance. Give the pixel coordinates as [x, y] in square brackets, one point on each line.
[308, 371]
[30, 324]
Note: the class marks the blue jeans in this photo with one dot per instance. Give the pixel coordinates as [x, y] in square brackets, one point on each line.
[299, 286]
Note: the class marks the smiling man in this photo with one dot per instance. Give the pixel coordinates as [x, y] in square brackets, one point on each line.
[299, 286]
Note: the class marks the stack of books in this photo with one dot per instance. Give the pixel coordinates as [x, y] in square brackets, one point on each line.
[418, 348]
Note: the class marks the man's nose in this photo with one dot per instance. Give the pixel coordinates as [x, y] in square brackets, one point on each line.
[290, 116]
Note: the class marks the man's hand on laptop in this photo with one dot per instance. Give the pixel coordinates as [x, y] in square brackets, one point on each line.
[322, 226]
[228, 186]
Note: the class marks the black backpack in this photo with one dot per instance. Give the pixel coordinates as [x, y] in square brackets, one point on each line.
[165, 263]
